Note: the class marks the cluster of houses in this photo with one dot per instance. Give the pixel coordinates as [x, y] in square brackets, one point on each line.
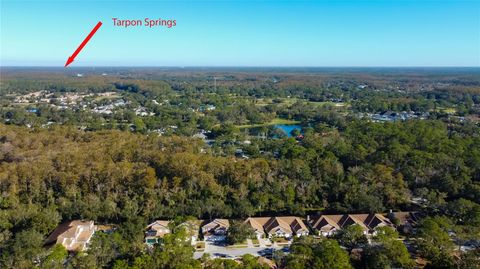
[285, 227]
[396, 116]
[62, 100]
[291, 226]
[74, 100]
[108, 109]
[328, 225]
[217, 229]
[75, 235]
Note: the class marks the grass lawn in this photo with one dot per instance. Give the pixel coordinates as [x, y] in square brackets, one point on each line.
[281, 240]
[450, 110]
[113, 96]
[238, 246]
[275, 121]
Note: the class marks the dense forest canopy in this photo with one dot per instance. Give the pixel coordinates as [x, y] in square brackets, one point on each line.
[368, 168]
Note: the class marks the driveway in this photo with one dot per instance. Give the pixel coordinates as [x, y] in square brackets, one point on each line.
[264, 242]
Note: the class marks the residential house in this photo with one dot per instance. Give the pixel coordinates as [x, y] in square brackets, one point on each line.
[287, 226]
[327, 225]
[257, 225]
[215, 230]
[156, 230]
[405, 221]
[74, 235]
[372, 221]
[277, 227]
[353, 219]
[298, 226]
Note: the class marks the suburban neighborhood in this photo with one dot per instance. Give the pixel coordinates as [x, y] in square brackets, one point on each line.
[209, 237]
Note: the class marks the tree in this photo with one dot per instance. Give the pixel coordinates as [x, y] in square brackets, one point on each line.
[328, 254]
[464, 211]
[277, 133]
[352, 236]
[469, 260]
[434, 243]
[104, 247]
[295, 132]
[300, 255]
[374, 257]
[238, 232]
[388, 252]
[174, 252]
[325, 254]
[131, 234]
[139, 125]
[27, 248]
[251, 262]
[385, 234]
[56, 257]
[82, 261]
[120, 264]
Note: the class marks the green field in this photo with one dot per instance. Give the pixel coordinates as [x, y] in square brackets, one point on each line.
[276, 121]
[290, 101]
[449, 110]
[114, 96]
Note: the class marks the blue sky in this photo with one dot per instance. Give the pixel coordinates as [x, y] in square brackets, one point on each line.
[234, 33]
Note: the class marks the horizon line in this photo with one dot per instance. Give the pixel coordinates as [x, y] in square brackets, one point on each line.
[246, 66]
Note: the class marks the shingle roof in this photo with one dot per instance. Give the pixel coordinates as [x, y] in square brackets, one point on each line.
[297, 225]
[163, 223]
[288, 224]
[160, 227]
[325, 220]
[73, 234]
[366, 221]
[277, 222]
[222, 222]
[406, 217]
[257, 223]
[216, 223]
[374, 220]
[349, 219]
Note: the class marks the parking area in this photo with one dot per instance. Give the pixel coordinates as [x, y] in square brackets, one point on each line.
[221, 250]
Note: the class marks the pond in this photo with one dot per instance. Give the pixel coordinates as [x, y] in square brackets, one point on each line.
[288, 128]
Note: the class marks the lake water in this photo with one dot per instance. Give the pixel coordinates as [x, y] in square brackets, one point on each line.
[287, 128]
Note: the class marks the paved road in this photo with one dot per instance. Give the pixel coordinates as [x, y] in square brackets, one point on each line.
[224, 252]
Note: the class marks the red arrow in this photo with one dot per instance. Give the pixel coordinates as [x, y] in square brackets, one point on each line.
[71, 58]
